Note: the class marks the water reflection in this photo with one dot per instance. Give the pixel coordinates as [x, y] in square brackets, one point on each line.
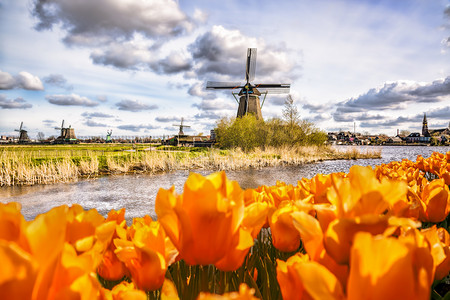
[137, 192]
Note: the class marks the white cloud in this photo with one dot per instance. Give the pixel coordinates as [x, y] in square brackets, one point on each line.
[70, 100]
[134, 105]
[18, 103]
[23, 80]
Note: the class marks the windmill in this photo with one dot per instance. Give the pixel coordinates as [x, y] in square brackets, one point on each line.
[62, 136]
[181, 126]
[23, 134]
[249, 93]
[67, 134]
[108, 136]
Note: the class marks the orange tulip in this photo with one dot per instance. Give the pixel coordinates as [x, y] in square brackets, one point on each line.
[244, 293]
[81, 223]
[144, 256]
[362, 193]
[205, 222]
[435, 201]
[12, 224]
[110, 267]
[123, 291]
[285, 237]
[18, 271]
[169, 291]
[390, 268]
[300, 278]
[439, 240]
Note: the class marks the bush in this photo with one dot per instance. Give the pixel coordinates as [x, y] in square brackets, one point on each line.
[249, 133]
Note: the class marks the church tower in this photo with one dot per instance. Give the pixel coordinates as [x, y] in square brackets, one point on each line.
[425, 126]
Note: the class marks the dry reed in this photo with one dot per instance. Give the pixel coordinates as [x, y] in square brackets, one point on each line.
[24, 168]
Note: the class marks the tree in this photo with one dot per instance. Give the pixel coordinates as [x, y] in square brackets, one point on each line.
[40, 136]
[290, 112]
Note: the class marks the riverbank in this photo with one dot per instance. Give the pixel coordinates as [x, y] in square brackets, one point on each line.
[28, 165]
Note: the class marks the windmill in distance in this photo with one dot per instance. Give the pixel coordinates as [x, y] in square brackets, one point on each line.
[249, 93]
[67, 135]
[23, 134]
[181, 126]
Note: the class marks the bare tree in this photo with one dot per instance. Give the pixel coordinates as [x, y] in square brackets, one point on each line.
[40, 136]
[290, 112]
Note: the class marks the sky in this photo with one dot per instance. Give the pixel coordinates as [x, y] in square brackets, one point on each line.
[137, 67]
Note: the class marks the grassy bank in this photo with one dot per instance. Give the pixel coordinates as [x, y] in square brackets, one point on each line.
[28, 165]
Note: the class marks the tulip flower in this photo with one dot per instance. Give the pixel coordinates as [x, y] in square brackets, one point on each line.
[285, 237]
[18, 271]
[123, 291]
[439, 240]
[300, 278]
[435, 201]
[110, 267]
[390, 268]
[13, 224]
[205, 222]
[144, 256]
[244, 293]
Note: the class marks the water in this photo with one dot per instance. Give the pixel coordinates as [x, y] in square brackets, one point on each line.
[137, 193]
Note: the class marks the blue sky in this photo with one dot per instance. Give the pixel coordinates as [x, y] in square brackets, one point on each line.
[139, 66]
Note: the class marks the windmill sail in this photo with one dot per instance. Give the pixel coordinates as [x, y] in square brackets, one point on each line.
[251, 65]
[249, 93]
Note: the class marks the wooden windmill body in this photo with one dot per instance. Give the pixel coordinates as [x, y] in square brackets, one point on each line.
[249, 94]
[23, 135]
[67, 135]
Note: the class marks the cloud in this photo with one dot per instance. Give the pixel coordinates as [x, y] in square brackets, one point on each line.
[208, 115]
[23, 80]
[221, 53]
[137, 128]
[18, 103]
[58, 80]
[49, 123]
[91, 123]
[134, 105]
[167, 119]
[88, 23]
[214, 105]
[398, 94]
[317, 108]
[122, 56]
[70, 100]
[102, 98]
[96, 115]
[174, 63]
[199, 90]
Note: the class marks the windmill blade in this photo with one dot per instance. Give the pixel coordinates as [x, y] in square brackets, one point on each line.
[21, 123]
[217, 85]
[251, 65]
[274, 88]
[62, 124]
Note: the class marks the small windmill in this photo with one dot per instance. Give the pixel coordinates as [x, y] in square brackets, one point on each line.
[62, 136]
[23, 134]
[249, 93]
[67, 134]
[108, 136]
[181, 126]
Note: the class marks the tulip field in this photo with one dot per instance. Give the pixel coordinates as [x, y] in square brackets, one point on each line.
[371, 233]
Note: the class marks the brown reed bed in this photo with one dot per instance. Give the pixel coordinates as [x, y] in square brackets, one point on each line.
[23, 166]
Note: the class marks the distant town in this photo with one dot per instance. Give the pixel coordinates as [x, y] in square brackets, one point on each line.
[434, 137]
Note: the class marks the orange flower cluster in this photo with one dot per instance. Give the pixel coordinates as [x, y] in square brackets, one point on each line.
[348, 236]
[360, 232]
